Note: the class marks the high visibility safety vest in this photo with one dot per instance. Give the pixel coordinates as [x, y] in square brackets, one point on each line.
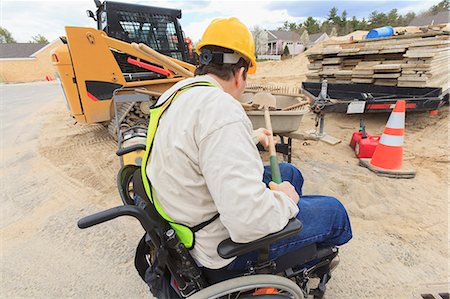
[185, 233]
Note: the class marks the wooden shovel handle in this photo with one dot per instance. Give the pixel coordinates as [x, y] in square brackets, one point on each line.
[274, 167]
[272, 151]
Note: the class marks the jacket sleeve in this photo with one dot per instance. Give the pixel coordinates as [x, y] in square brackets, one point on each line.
[232, 168]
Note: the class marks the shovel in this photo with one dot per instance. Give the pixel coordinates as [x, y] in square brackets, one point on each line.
[267, 101]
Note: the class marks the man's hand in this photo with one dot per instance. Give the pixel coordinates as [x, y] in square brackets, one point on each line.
[287, 189]
[263, 136]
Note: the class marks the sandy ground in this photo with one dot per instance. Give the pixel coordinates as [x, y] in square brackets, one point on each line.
[54, 171]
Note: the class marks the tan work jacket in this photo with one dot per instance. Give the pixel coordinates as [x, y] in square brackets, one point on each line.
[204, 161]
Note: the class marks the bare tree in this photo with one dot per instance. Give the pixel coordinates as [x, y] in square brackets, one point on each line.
[333, 32]
[304, 38]
[260, 36]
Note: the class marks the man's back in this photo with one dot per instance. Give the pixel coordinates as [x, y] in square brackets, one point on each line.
[203, 162]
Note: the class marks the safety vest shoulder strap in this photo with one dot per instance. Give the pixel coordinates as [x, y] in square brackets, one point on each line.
[185, 233]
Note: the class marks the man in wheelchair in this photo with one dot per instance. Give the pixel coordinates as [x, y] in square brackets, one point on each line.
[207, 203]
[202, 168]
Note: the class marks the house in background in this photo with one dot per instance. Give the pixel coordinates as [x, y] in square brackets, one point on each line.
[278, 39]
[26, 62]
[316, 38]
[270, 44]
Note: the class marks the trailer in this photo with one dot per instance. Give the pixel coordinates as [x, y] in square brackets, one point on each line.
[370, 98]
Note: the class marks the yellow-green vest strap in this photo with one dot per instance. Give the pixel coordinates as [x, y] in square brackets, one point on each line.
[184, 232]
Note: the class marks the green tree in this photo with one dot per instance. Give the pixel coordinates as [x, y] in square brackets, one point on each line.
[326, 27]
[378, 19]
[335, 20]
[311, 25]
[38, 39]
[363, 25]
[354, 23]
[332, 15]
[6, 36]
[408, 18]
[288, 26]
[286, 51]
[393, 18]
[441, 6]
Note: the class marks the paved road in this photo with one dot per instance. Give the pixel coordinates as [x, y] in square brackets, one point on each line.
[18, 104]
[52, 173]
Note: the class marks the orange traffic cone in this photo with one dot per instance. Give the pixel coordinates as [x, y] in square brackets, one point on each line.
[387, 160]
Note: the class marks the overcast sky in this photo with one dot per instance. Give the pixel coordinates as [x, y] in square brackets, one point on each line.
[25, 19]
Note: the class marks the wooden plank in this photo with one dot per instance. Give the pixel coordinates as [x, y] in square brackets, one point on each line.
[393, 50]
[419, 55]
[411, 84]
[367, 63]
[344, 73]
[351, 61]
[368, 52]
[362, 72]
[386, 82]
[328, 72]
[342, 81]
[411, 72]
[314, 66]
[412, 78]
[330, 51]
[360, 80]
[384, 75]
[416, 66]
[333, 60]
[396, 67]
[345, 52]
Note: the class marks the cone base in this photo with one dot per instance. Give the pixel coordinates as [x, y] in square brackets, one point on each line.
[406, 172]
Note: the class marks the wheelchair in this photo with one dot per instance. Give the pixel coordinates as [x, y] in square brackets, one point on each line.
[165, 264]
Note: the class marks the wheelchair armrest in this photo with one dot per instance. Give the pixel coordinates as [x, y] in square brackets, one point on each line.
[131, 148]
[228, 249]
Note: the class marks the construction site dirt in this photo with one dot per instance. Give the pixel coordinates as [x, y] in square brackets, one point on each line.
[55, 171]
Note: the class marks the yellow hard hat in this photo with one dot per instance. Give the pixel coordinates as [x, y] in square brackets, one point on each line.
[231, 34]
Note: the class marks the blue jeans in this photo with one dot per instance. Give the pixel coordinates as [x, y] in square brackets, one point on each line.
[325, 221]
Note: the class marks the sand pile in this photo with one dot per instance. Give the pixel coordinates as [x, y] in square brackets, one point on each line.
[288, 72]
[400, 246]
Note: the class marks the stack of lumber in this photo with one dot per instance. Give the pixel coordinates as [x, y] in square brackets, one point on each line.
[416, 60]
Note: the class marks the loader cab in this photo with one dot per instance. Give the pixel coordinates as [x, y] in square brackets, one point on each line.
[156, 27]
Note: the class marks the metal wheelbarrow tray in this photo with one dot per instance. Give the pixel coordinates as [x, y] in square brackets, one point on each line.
[282, 121]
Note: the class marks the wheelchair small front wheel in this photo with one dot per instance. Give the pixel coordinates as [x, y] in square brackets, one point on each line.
[250, 287]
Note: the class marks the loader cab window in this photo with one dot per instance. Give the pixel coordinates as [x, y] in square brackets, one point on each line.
[156, 31]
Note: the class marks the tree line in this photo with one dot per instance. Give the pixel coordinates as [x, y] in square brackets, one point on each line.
[335, 23]
[342, 24]
[7, 38]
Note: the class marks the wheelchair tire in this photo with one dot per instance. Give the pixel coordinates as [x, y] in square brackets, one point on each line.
[246, 283]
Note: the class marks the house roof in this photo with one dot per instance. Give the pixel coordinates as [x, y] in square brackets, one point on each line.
[315, 36]
[283, 35]
[19, 50]
[439, 18]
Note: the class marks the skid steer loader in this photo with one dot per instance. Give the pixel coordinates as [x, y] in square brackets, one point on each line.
[138, 51]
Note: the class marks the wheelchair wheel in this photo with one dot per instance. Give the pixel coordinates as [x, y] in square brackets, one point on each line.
[248, 286]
